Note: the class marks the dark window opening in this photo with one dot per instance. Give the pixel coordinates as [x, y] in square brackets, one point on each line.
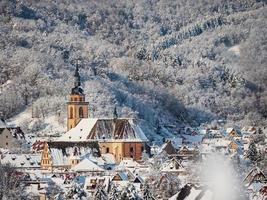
[131, 149]
[71, 112]
[81, 112]
[142, 149]
[107, 150]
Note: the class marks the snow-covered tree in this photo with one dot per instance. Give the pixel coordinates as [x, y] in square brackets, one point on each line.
[252, 152]
[114, 194]
[147, 195]
[11, 186]
[100, 194]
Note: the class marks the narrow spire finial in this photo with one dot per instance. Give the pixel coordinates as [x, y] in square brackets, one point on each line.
[115, 113]
[77, 81]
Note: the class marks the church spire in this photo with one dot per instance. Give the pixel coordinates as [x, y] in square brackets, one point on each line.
[77, 89]
[77, 81]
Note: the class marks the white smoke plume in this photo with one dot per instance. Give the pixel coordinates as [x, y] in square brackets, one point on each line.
[220, 175]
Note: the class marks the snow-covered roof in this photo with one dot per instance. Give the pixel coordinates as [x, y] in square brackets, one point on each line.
[255, 174]
[104, 159]
[128, 163]
[16, 132]
[193, 138]
[124, 129]
[122, 175]
[80, 132]
[86, 165]
[194, 194]
[22, 160]
[62, 152]
[172, 165]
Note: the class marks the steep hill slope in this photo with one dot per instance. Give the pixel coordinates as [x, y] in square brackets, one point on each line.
[166, 62]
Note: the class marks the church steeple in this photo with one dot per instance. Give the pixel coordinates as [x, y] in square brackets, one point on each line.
[77, 106]
[77, 81]
[77, 89]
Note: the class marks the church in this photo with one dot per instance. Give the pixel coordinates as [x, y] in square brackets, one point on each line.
[121, 137]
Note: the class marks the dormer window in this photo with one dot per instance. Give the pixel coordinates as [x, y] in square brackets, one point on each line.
[13, 157]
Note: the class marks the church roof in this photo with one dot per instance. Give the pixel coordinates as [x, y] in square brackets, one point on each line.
[122, 129]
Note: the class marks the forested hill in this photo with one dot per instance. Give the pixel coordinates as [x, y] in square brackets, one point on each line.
[164, 61]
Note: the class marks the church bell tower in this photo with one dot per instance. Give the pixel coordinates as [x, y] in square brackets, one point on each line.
[77, 106]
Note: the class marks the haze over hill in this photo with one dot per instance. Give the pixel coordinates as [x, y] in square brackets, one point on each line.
[165, 62]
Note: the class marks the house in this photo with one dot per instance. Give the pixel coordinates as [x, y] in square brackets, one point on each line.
[255, 175]
[93, 182]
[249, 130]
[187, 152]
[64, 155]
[173, 166]
[11, 137]
[121, 137]
[233, 132]
[168, 148]
[236, 145]
[211, 145]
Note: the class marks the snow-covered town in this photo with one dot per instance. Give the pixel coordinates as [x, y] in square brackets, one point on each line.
[133, 99]
[111, 158]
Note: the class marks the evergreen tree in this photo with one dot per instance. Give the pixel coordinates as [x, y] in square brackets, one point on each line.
[252, 154]
[100, 194]
[114, 193]
[147, 195]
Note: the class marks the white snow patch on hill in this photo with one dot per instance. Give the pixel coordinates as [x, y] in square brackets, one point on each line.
[42, 126]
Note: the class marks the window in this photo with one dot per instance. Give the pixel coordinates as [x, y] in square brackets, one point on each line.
[6, 136]
[75, 99]
[142, 148]
[6, 143]
[107, 151]
[81, 99]
[131, 149]
[81, 112]
[71, 112]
